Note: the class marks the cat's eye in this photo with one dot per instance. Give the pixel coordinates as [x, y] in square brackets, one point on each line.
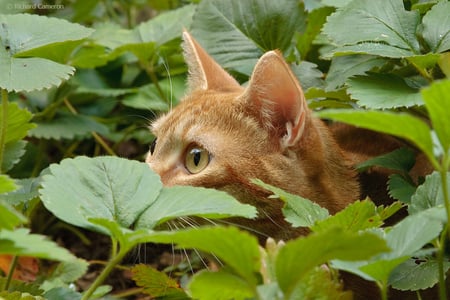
[197, 159]
[152, 146]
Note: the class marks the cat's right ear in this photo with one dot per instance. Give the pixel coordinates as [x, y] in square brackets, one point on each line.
[204, 72]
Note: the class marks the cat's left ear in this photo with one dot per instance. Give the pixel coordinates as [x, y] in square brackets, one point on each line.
[204, 72]
[277, 99]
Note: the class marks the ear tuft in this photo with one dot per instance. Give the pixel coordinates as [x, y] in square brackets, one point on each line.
[204, 72]
[275, 93]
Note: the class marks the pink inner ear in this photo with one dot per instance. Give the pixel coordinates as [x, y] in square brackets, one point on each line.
[276, 92]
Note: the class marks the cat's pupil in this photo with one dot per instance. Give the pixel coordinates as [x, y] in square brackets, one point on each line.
[152, 146]
[196, 159]
[197, 155]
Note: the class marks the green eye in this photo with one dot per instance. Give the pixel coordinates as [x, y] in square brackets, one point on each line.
[197, 159]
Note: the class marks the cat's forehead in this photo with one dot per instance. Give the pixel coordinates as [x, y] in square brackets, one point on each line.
[206, 109]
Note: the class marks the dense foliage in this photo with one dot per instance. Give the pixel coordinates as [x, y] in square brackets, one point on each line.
[82, 79]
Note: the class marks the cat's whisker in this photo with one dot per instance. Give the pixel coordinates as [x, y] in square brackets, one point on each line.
[169, 76]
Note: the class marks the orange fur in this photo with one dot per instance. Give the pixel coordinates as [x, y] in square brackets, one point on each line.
[263, 131]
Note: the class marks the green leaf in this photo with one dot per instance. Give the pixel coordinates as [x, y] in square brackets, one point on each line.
[437, 102]
[17, 124]
[344, 67]
[308, 74]
[383, 91]
[181, 201]
[10, 218]
[13, 152]
[219, 285]
[28, 190]
[402, 159]
[246, 28]
[67, 126]
[148, 97]
[429, 194]
[359, 215]
[436, 27]
[404, 239]
[237, 249]
[65, 273]
[417, 273]
[162, 28]
[154, 282]
[300, 256]
[21, 242]
[298, 211]
[400, 188]
[380, 27]
[21, 33]
[104, 187]
[62, 293]
[398, 124]
[411, 234]
[6, 184]
[127, 192]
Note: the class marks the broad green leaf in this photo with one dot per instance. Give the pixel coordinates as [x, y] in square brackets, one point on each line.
[21, 33]
[400, 188]
[359, 215]
[320, 283]
[17, 124]
[13, 152]
[220, 285]
[344, 67]
[401, 159]
[416, 274]
[300, 256]
[237, 249]
[298, 211]
[411, 234]
[129, 193]
[436, 27]
[65, 273]
[148, 97]
[381, 27]
[397, 124]
[21, 242]
[315, 20]
[28, 190]
[143, 40]
[246, 29]
[404, 239]
[103, 187]
[162, 28]
[155, 283]
[6, 184]
[183, 201]
[67, 126]
[429, 194]
[383, 91]
[308, 74]
[437, 102]
[10, 218]
[62, 293]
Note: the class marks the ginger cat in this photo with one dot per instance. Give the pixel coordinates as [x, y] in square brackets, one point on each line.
[222, 135]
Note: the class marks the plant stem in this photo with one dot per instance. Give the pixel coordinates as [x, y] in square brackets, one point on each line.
[3, 125]
[12, 267]
[383, 290]
[440, 259]
[444, 172]
[116, 258]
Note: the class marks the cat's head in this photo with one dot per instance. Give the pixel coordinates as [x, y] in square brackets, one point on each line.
[222, 135]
